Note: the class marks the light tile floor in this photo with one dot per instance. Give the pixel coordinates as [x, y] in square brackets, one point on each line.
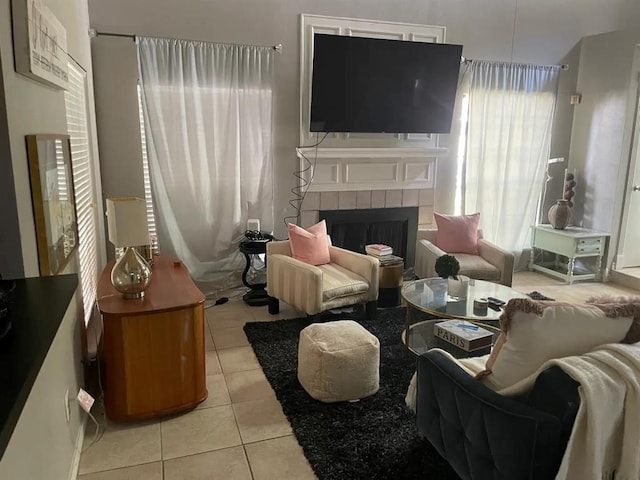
[239, 432]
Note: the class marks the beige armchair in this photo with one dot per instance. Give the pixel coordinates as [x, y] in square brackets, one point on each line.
[492, 264]
[350, 278]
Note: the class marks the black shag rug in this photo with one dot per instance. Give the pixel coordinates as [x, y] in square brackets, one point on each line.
[375, 438]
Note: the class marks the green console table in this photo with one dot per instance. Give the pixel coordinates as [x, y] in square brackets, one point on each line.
[566, 246]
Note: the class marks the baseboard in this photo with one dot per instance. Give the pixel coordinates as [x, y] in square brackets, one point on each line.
[621, 278]
[75, 463]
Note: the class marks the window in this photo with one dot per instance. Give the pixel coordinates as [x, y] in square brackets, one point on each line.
[151, 220]
[462, 147]
[77, 124]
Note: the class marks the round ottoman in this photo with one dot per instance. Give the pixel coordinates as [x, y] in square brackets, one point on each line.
[338, 361]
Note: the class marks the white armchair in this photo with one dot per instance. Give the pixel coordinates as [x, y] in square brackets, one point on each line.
[492, 263]
[350, 278]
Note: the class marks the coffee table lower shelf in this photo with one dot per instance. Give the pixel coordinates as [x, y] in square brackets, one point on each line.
[419, 338]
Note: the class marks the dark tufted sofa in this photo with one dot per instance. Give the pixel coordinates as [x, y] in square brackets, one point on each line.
[484, 435]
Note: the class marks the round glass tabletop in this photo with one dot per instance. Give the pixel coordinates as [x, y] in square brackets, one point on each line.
[430, 295]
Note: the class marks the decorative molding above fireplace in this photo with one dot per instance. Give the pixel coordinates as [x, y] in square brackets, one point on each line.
[342, 169]
[404, 152]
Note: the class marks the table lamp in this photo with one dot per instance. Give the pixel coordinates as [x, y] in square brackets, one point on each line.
[128, 228]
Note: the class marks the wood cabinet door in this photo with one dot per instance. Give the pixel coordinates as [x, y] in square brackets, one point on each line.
[155, 363]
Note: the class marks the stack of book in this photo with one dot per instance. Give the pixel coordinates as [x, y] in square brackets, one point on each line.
[384, 254]
[378, 250]
[387, 260]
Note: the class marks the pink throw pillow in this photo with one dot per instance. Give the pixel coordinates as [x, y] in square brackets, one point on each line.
[309, 245]
[457, 234]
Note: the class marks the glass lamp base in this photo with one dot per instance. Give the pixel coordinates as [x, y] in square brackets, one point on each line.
[131, 274]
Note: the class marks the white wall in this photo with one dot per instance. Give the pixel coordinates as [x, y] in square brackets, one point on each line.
[602, 129]
[43, 444]
[536, 31]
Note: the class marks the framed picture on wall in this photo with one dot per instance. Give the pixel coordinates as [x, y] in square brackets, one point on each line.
[39, 43]
[54, 205]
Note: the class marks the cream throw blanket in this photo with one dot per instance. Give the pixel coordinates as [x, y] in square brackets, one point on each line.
[606, 433]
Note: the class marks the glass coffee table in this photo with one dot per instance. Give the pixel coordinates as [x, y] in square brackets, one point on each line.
[428, 303]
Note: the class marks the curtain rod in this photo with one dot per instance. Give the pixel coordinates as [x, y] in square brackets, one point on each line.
[564, 66]
[94, 33]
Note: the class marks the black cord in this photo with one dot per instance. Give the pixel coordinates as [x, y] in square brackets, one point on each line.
[315, 145]
[300, 191]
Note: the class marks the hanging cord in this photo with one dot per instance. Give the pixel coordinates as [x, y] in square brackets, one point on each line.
[97, 436]
[300, 191]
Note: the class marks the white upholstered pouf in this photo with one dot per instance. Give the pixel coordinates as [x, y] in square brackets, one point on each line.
[338, 361]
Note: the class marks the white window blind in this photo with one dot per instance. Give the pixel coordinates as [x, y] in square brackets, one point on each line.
[77, 124]
[151, 219]
[61, 172]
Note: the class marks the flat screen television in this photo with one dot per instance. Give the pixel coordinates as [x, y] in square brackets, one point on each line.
[373, 85]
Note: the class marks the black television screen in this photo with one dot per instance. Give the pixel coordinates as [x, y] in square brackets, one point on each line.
[376, 85]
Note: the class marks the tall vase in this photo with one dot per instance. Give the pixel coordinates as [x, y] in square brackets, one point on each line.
[560, 214]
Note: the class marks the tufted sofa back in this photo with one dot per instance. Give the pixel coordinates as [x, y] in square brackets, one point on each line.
[486, 436]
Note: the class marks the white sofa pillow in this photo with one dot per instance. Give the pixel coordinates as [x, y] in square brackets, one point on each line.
[534, 332]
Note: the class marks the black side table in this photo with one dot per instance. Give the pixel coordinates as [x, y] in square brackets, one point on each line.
[257, 296]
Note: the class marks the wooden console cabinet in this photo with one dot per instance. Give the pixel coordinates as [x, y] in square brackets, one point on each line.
[153, 347]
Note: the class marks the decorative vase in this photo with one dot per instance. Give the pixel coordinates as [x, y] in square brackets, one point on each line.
[560, 214]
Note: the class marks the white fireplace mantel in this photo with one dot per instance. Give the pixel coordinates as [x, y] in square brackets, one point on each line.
[372, 153]
[346, 169]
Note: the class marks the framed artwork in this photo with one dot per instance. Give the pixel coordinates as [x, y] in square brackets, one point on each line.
[39, 43]
[54, 205]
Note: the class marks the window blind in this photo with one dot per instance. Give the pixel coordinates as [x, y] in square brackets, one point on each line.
[61, 172]
[78, 127]
[151, 220]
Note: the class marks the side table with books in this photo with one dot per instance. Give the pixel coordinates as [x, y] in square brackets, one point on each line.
[390, 276]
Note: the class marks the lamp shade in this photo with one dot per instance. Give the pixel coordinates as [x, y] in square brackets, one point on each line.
[127, 221]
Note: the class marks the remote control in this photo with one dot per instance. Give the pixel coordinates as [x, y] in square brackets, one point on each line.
[497, 301]
[494, 306]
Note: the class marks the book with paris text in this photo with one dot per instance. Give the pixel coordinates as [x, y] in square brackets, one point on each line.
[378, 249]
[464, 335]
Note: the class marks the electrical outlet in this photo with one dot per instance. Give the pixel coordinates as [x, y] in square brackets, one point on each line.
[67, 412]
[85, 400]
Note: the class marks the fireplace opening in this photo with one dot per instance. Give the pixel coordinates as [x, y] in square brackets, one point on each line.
[353, 229]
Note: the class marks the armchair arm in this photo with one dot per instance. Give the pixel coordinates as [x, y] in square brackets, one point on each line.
[483, 434]
[364, 265]
[294, 282]
[282, 247]
[427, 234]
[426, 255]
[499, 258]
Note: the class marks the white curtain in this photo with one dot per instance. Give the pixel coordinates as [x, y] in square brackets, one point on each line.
[208, 124]
[511, 108]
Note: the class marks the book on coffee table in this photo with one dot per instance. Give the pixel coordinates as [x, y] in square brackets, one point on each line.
[462, 334]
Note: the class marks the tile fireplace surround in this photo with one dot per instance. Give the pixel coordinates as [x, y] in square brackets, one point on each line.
[363, 199]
